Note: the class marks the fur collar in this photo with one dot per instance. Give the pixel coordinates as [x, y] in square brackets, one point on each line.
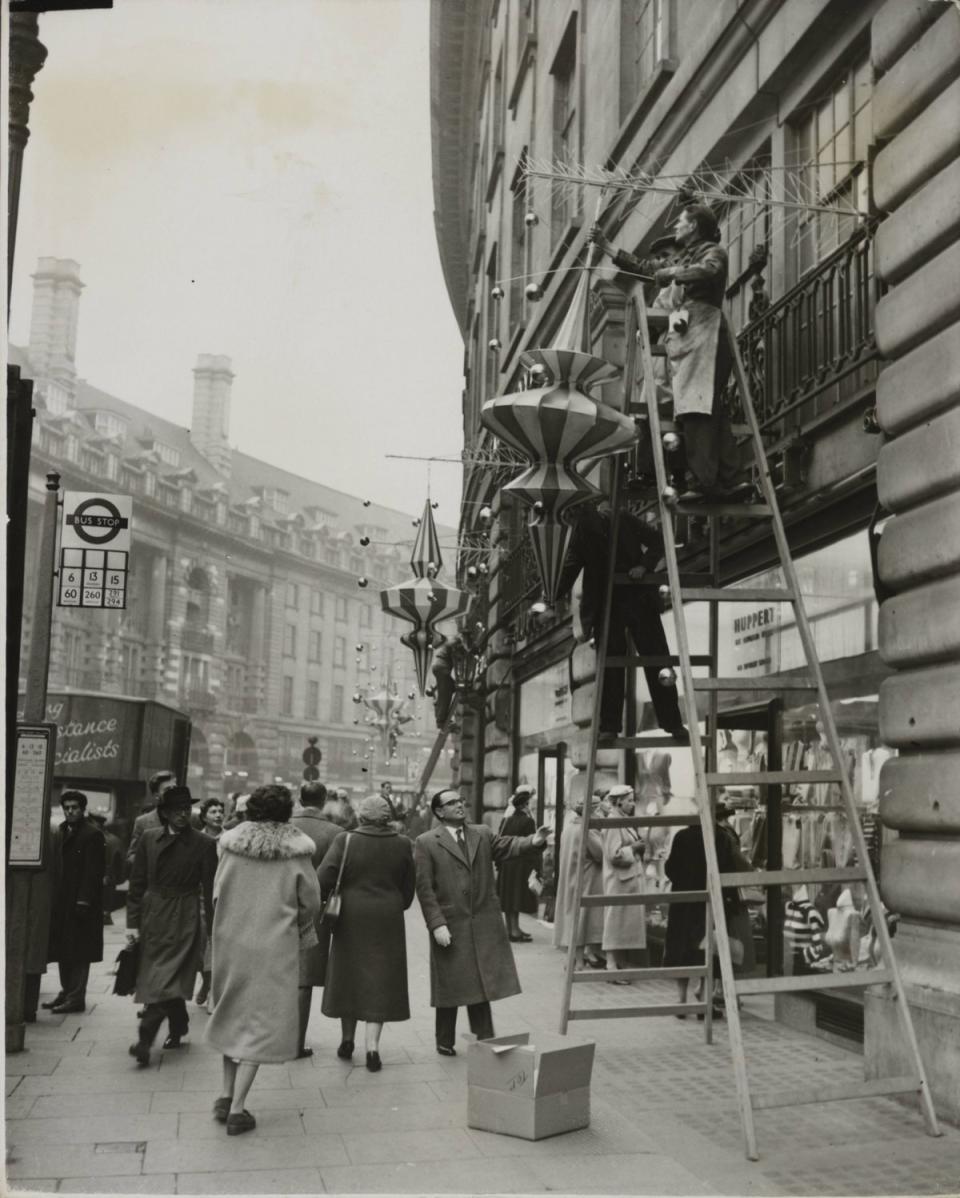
[266, 841]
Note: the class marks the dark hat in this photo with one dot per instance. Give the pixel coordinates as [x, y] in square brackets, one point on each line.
[723, 810]
[176, 796]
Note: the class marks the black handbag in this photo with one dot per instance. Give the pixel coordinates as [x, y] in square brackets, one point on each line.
[331, 908]
[128, 965]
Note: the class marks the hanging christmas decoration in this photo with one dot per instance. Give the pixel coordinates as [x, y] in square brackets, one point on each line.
[388, 716]
[556, 425]
[424, 601]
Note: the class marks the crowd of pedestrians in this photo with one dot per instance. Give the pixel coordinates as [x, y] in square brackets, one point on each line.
[264, 901]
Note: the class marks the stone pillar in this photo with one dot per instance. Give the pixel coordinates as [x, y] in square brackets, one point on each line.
[27, 55]
[916, 53]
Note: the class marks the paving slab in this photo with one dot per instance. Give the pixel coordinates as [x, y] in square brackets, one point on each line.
[155, 1183]
[80, 1128]
[645, 1173]
[70, 1160]
[379, 1119]
[383, 1095]
[389, 1147]
[197, 1125]
[198, 1101]
[50, 1106]
[18, 1108]
[39, 1185]
[265, 1181]
[28, 1064]
[126, 1079]
[242, 1153]
[432, 1177]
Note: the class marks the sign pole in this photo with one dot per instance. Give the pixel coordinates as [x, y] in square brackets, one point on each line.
[19, 882]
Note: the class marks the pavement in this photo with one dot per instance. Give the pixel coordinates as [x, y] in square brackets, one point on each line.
[82, 1118]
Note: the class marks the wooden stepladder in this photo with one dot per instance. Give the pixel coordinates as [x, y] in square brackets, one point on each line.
[643, 326]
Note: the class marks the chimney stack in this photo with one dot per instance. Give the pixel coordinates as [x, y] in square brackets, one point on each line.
[210, 428]
[53, 322]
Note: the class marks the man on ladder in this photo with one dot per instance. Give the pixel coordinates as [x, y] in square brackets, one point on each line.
[693, 283]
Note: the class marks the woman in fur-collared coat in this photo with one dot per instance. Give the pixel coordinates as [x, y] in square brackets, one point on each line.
[266, 898]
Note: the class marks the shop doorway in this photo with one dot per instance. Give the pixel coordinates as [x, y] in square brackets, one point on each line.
[550, 776]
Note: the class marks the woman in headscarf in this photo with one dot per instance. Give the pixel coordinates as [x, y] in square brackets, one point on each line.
[367, 967]
[266, 898]
[590, 932]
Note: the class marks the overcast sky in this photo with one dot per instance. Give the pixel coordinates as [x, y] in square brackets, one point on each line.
[252, 178]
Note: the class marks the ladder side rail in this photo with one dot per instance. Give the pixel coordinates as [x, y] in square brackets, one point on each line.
[696, 743]
[579, 912]
[829, 724]
[441, 739]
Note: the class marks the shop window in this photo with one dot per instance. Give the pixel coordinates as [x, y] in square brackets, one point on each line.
[831, 139]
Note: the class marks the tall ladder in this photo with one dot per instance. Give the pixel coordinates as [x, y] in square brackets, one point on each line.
[708, 779]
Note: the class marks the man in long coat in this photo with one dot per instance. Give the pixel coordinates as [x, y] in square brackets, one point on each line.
[76, 922]
[471, 962]
[313, 961]
[156, 784]
[173, 870]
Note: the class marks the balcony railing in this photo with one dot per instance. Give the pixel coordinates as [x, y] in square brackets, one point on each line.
[815, 346]
[198, 698]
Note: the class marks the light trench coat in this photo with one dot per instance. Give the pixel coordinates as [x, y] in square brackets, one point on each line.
[591, 925]
[623, 873]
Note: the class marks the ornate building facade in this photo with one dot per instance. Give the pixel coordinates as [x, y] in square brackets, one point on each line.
[828, 132]
[244, 606]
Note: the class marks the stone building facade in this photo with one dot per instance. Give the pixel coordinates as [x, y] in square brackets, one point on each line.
[244, 606]
[846, 308]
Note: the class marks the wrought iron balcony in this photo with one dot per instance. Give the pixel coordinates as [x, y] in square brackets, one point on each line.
[198, 697]
[814, 347]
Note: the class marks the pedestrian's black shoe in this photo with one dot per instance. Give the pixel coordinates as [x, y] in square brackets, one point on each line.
[141, 1052]
[345, 1051]
[374, 1063]
[446, 1051]
[173, 1042]
[54, 1002]
[304, 1053]
[240, 1122]
[221, 1109]
[68, 1008]
[680, 734]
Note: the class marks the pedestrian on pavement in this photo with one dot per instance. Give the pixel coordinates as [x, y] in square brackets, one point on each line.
[267, 899]
[471, 962]
[686, 867]
[239, 813]
[76, 922]
[313, 960]
[114, 867]
[589, 935]
[513, 889]
[624, 927]
[156, 784]
[171, 886]
[211, 824]
[367, 970]
[419, 818]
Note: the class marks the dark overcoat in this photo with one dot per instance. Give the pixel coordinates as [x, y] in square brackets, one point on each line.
[460, 892]
[171, 883]
[367, 970]
[323, 832]
[76, 932]
[513, 891]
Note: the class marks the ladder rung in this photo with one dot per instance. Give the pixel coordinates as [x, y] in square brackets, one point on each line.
[640, 742]
[871, 1089]
[640, 975]
[688, 1008]
[649, 661]
[646, 821]
[737, 594]
[793, 877]
[854, 980]
[763, 682]
[663, 580]
[772, 777]
[746, 510]
[649, 899]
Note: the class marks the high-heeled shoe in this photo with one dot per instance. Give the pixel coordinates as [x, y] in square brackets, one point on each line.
[374, 1064]
[345, 1051]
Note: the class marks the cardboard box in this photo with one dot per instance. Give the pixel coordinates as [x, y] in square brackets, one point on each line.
[531, 1091]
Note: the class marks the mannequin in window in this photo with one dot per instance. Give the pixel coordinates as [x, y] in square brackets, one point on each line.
[697, 348]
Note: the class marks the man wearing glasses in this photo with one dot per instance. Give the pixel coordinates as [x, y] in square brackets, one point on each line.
[471, 962]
